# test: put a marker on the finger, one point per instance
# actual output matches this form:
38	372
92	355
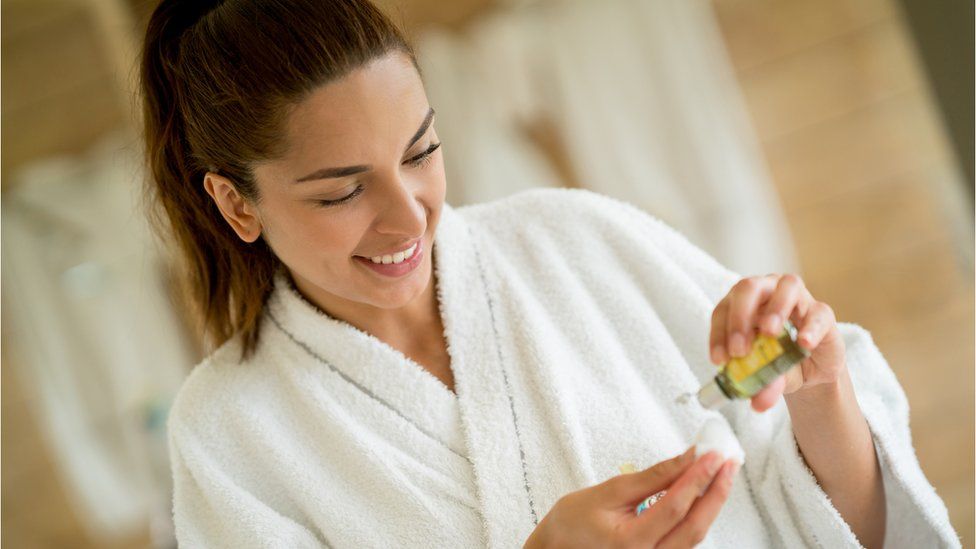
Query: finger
716	340
815	325
744	301
691	531
769	395
667	512
802	306
630	488
780	304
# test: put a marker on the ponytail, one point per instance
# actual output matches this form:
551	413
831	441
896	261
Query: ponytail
218	79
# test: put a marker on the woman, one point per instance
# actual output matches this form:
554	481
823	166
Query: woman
391	371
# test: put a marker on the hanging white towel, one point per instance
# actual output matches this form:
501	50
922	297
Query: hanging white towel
642	100
573	321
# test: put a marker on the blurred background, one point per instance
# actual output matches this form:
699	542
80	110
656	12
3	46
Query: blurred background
832	138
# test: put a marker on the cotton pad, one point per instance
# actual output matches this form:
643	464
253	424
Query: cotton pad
716	435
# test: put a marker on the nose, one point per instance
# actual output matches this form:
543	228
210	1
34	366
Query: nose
402	214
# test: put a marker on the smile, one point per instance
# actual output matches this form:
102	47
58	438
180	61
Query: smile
397	264
398	257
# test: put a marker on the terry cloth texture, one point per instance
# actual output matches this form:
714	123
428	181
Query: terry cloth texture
573	322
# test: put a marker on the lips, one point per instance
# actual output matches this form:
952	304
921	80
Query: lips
400	249
398	257
395	269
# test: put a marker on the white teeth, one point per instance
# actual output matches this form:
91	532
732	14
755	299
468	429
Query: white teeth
398	257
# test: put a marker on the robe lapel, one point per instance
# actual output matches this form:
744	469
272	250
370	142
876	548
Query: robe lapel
388	376
480	423
483	384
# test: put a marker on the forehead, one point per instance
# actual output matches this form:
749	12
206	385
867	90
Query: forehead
383	100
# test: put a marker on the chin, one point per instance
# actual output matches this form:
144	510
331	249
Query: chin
400	295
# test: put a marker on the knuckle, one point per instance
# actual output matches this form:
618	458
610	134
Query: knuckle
613	486
717	312
745	284
792	279
566	500
670	511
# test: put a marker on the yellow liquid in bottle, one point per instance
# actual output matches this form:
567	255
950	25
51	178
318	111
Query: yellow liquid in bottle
770	357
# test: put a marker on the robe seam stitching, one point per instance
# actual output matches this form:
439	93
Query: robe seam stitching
359	386
501	363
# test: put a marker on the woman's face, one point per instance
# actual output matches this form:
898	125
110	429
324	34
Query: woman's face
359	180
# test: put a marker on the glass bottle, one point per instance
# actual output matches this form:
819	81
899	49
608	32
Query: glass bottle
743	377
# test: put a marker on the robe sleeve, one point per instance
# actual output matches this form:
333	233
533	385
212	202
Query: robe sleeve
210	509
794	506
781	480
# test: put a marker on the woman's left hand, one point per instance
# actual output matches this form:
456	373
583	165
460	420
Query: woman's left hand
760	304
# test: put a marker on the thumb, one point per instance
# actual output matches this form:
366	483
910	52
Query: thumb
633	487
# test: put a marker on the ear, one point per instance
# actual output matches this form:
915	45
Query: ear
240	214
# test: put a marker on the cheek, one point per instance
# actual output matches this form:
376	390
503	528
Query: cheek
318	234
435	183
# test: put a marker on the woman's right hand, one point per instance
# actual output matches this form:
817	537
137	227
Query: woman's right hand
603	515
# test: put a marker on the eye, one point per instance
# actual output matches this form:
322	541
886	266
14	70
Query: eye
423	158
347	198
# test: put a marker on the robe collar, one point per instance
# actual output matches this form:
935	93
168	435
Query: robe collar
488	434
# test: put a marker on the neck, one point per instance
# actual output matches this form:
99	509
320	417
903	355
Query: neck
408	325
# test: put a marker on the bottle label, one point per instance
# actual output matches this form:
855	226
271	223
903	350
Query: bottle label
765	349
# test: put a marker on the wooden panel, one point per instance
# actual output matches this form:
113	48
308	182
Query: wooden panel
38	68
759	31
865	224
58	92
67	123
890	137
901	286
932	360
27	18
824	82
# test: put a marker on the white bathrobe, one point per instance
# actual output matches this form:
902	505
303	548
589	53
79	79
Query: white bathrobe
573	322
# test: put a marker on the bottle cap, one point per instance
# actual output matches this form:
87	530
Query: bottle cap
711	395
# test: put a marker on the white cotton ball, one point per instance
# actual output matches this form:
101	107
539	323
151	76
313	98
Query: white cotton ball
715	434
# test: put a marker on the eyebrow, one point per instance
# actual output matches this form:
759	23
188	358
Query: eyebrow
329	173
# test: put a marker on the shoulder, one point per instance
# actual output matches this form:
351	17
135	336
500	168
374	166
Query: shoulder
215	387
562	210
551	200
574	217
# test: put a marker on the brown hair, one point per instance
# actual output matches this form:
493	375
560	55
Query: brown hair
218	79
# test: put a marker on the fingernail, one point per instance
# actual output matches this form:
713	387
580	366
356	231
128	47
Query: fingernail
732	467
735	468
773	323
737	344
